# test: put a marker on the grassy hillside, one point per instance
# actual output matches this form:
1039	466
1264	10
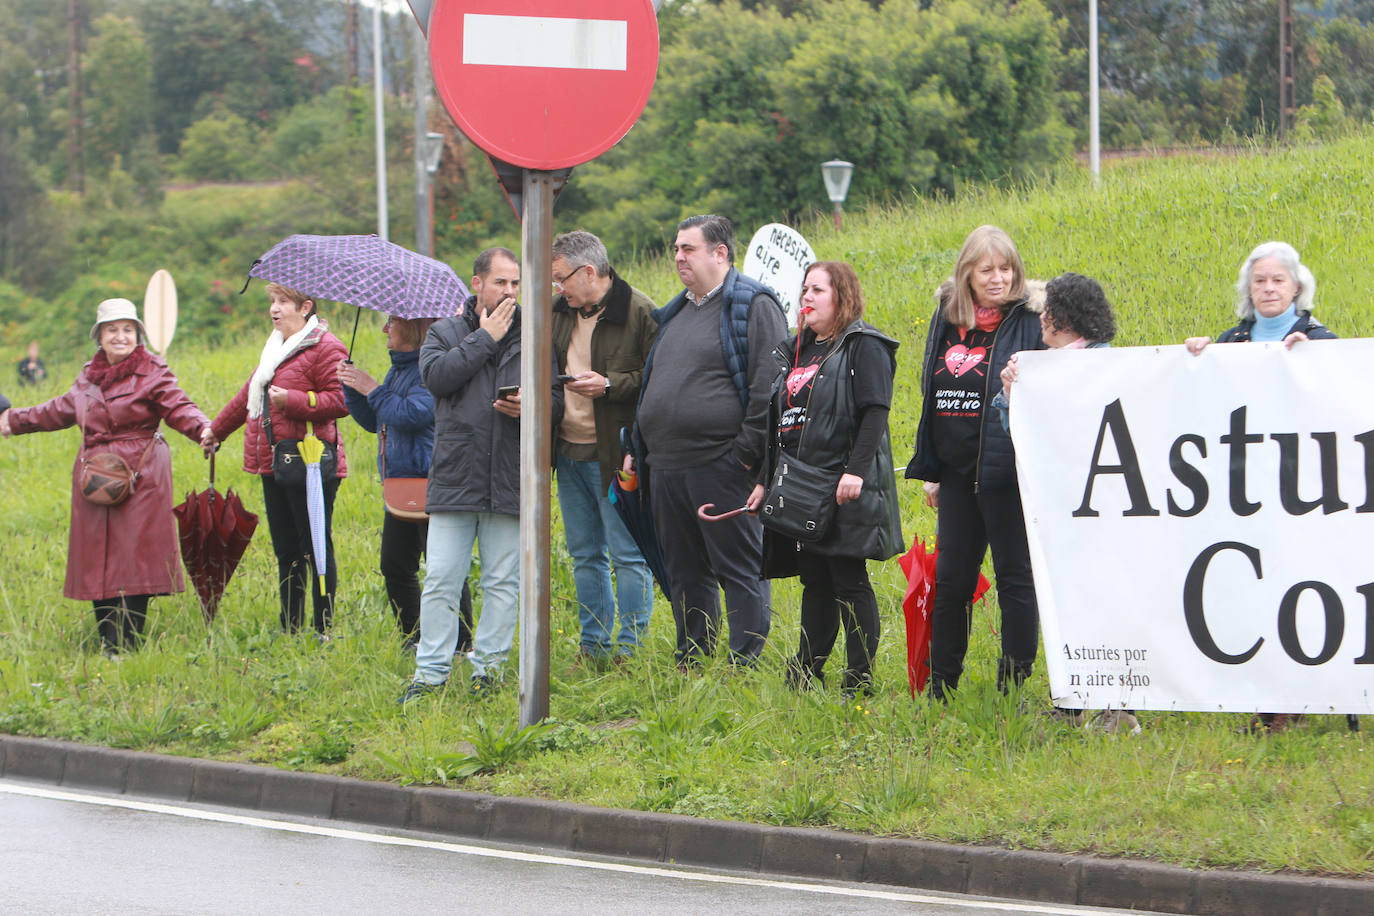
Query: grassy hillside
1165	237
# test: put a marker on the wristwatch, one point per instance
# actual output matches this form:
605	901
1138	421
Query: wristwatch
608	388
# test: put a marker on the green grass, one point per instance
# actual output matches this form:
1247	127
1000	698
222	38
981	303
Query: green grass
1165	237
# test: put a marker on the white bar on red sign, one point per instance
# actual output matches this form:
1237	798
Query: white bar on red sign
543	41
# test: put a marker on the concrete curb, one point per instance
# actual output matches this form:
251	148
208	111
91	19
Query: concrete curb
677	839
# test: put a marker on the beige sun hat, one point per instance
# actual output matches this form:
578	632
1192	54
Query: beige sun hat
117	310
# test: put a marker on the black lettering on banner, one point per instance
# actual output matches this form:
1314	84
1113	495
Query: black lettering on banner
1367	590
1114	417
1238	439
1193	612
1187	475
1288	623
1367	440
1293	504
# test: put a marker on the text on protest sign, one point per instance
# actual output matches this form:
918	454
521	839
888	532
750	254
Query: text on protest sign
1200	526
778	257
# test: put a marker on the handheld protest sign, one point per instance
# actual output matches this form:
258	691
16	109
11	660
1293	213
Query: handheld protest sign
777	258
160	310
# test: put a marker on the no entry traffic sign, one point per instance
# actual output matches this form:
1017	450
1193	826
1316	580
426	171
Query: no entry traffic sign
544	84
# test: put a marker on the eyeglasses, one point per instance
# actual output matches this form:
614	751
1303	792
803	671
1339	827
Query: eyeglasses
561	284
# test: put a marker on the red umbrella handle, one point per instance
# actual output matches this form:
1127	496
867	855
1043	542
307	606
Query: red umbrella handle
212	470
704	513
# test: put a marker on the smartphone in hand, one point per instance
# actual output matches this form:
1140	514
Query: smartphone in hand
564	379
506	392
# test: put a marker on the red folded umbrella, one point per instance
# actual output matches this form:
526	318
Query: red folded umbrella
919	566
214	530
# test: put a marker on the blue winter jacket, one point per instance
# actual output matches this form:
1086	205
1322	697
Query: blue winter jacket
403	405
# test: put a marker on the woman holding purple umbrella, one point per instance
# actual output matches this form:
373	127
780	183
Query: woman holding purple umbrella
295	386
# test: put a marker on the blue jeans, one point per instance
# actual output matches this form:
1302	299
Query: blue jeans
593	529
448	553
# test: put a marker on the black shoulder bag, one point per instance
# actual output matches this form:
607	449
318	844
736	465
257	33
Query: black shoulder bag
799	502
288	467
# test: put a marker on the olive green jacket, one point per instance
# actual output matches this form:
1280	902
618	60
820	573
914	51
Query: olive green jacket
621	340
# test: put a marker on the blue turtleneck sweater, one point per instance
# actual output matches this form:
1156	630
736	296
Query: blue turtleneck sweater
1276	328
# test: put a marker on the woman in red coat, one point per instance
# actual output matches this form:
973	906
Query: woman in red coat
120	556
296	383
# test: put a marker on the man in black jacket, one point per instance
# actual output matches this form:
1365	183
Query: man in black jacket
471	364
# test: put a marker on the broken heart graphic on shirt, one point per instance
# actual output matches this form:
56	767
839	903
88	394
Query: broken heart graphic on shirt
800	377
960	360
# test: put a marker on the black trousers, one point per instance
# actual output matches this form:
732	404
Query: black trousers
968	523
836	592
288	521
120	621
403	543
704	558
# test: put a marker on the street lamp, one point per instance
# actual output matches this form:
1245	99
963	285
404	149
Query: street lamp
430	151
837	173
434	151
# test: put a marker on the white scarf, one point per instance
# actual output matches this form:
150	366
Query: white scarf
274	353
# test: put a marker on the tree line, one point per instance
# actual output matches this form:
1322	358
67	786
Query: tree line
923	96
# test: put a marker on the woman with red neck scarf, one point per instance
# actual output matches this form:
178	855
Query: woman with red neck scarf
967	459
829	409
119	556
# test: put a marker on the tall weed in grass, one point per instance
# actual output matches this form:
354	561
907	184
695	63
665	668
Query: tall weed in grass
1165	238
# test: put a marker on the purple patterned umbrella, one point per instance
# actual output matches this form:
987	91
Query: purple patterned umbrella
365	271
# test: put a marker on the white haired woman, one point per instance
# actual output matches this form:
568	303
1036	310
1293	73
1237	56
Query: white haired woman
1274	293
1274	301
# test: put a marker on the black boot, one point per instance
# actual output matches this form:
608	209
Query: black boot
800	676
941	690
857	683
1011	674
107	625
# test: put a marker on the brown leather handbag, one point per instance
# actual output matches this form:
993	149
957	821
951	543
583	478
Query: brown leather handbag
404	497
106	479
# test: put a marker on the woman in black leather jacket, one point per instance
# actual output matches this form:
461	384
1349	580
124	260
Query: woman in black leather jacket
967	459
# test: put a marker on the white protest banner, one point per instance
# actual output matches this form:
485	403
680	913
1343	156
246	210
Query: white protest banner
1200	526
777	258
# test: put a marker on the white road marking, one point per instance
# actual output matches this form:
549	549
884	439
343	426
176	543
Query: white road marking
545	41
110	801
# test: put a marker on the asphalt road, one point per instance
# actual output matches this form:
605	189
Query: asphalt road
73	852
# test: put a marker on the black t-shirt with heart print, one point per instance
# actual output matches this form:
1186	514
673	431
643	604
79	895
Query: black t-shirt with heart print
872	384
958	385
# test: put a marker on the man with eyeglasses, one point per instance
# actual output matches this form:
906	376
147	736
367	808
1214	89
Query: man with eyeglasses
602	331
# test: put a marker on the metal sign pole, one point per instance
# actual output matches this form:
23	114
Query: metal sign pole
424	214
536	442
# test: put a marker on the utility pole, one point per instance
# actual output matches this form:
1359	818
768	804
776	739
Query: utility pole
380	110
351	30
1287	105
1094	118
424	200
76	168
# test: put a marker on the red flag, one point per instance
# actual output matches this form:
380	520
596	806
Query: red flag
919	566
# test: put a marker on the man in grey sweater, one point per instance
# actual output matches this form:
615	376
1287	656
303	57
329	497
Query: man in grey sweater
701	427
